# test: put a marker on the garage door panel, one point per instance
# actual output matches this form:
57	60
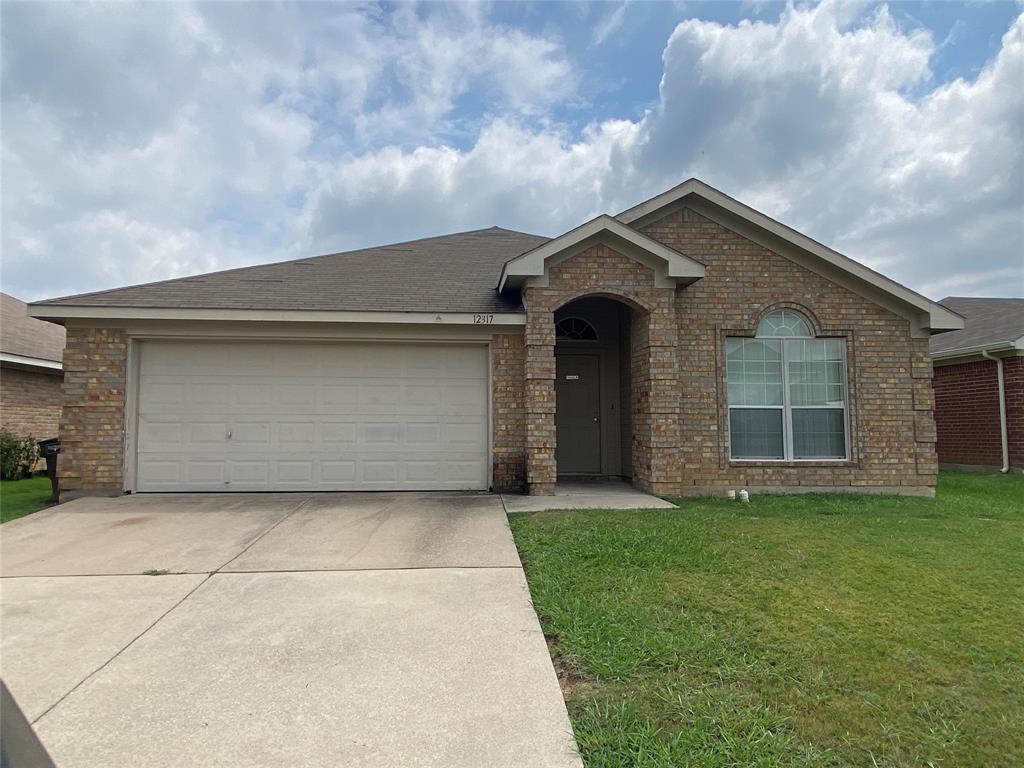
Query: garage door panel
463	396
255	472
333	471
167	473
163	434
333	395
246	395
460	471
464	432
334	433
382	433
428	395
202	434
294	471
249	432
297	394
423	433
311	416
297	434
160	393
210	471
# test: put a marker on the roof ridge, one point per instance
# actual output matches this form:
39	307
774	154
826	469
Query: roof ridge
59	299
982	298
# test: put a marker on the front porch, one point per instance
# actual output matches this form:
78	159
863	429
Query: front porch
586	494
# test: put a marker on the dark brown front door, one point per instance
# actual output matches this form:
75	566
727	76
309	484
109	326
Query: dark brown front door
577	414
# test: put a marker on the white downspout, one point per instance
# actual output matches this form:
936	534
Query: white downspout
1002	409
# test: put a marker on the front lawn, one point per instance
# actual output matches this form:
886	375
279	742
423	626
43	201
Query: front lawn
23	497
791	631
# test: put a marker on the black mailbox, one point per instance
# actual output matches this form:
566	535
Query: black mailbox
48	449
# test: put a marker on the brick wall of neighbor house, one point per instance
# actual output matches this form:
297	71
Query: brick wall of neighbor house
30	402
1013	380
92	423
967	413
892	428
508	451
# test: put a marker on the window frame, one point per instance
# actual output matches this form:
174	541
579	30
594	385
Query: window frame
787	407
585	321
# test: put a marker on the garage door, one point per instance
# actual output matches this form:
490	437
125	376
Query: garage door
283	416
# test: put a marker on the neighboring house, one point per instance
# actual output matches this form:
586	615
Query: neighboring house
691	344
979	385
30	371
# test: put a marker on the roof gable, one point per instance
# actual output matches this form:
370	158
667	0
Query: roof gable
925	315
670	266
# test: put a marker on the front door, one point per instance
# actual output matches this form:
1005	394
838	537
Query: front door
578	414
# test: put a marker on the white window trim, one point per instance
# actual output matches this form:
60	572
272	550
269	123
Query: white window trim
787	410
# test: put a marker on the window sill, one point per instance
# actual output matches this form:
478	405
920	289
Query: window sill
832	463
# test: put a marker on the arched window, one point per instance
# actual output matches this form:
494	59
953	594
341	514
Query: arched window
787	392
785	323
574	329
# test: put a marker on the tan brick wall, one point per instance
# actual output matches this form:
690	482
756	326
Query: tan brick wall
508	452
892	429
601	271
30	402
92	423
679	409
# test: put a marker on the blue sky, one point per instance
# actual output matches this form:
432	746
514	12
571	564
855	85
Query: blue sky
145	141
634	34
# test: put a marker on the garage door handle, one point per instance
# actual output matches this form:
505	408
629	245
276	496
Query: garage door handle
229	434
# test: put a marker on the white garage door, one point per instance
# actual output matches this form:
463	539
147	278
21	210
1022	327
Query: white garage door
259	416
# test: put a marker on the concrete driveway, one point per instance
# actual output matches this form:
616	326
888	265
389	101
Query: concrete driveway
315	630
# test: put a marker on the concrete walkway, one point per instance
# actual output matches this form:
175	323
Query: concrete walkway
315	630
595	494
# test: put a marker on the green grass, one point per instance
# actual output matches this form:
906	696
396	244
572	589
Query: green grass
824	630
23	497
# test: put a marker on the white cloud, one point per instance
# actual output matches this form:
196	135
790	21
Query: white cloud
610	24
248	137
149	141
823	119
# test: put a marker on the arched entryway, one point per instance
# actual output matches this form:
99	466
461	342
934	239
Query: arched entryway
593	388
604	285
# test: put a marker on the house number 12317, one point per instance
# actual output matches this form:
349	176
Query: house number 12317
483	319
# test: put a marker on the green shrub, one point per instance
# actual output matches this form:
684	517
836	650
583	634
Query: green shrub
17	455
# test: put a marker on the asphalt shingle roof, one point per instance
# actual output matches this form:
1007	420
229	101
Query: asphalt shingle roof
451	273
989	321
26	336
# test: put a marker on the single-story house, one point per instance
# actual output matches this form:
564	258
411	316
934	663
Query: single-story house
31	372
979	386
690	344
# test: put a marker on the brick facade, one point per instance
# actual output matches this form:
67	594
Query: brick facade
601	271
677	393
508	450
889	372
1013	381
967	413
92	423
30	402
679	407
